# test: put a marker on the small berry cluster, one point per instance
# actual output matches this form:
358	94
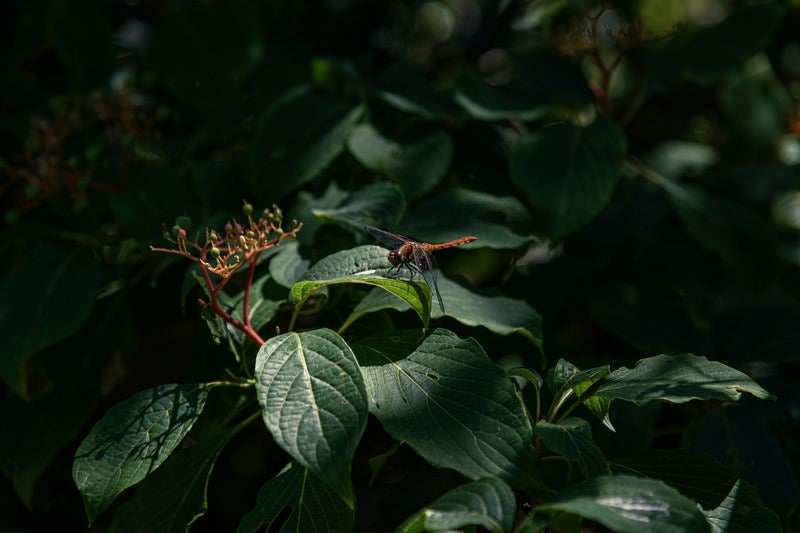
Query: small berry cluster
224	254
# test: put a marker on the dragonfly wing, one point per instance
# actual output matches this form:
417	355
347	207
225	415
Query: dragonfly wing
389	239
426	264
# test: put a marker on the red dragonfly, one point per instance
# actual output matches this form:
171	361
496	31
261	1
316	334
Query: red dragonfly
416	256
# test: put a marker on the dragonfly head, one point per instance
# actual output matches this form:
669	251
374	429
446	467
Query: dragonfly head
395	258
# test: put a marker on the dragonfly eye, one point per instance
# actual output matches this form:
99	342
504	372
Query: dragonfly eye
395	258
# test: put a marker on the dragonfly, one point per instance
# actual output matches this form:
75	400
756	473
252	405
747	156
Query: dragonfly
415	256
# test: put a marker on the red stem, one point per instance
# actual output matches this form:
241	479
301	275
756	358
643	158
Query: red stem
244	328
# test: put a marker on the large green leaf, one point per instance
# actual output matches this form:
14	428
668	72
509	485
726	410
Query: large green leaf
314	506
313	402
568	172
488	503
678	379
449	402
133	439
363	265
572	438
631	504
297	137
173	497
729	503
46	297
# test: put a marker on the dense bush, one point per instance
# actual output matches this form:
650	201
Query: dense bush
201	329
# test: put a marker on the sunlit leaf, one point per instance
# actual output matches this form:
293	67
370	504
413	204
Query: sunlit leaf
678	379
133	439
313	402
631	504
363	265
450	403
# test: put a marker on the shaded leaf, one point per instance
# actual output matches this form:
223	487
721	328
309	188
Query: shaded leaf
311	502
748	444
572	438
498	314
297	137
133	439
729	503
379	203
734	232
47	297
678	379
450	403
568	172
313	402
695	52
174	496
288	266
408	90
488	503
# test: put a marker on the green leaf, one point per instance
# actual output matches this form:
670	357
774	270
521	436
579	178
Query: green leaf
288	266
174	496
541	83
568	172
409	90
423	163
678	379
313	402
487	503
460	212
47	297
498	314
132	439
747	442
695	53
729	503
312	504
450	403
631	504
363	265
306	205
732	231
572	438
298	136
380	203
372	149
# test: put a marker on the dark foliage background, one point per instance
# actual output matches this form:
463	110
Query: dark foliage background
117	117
